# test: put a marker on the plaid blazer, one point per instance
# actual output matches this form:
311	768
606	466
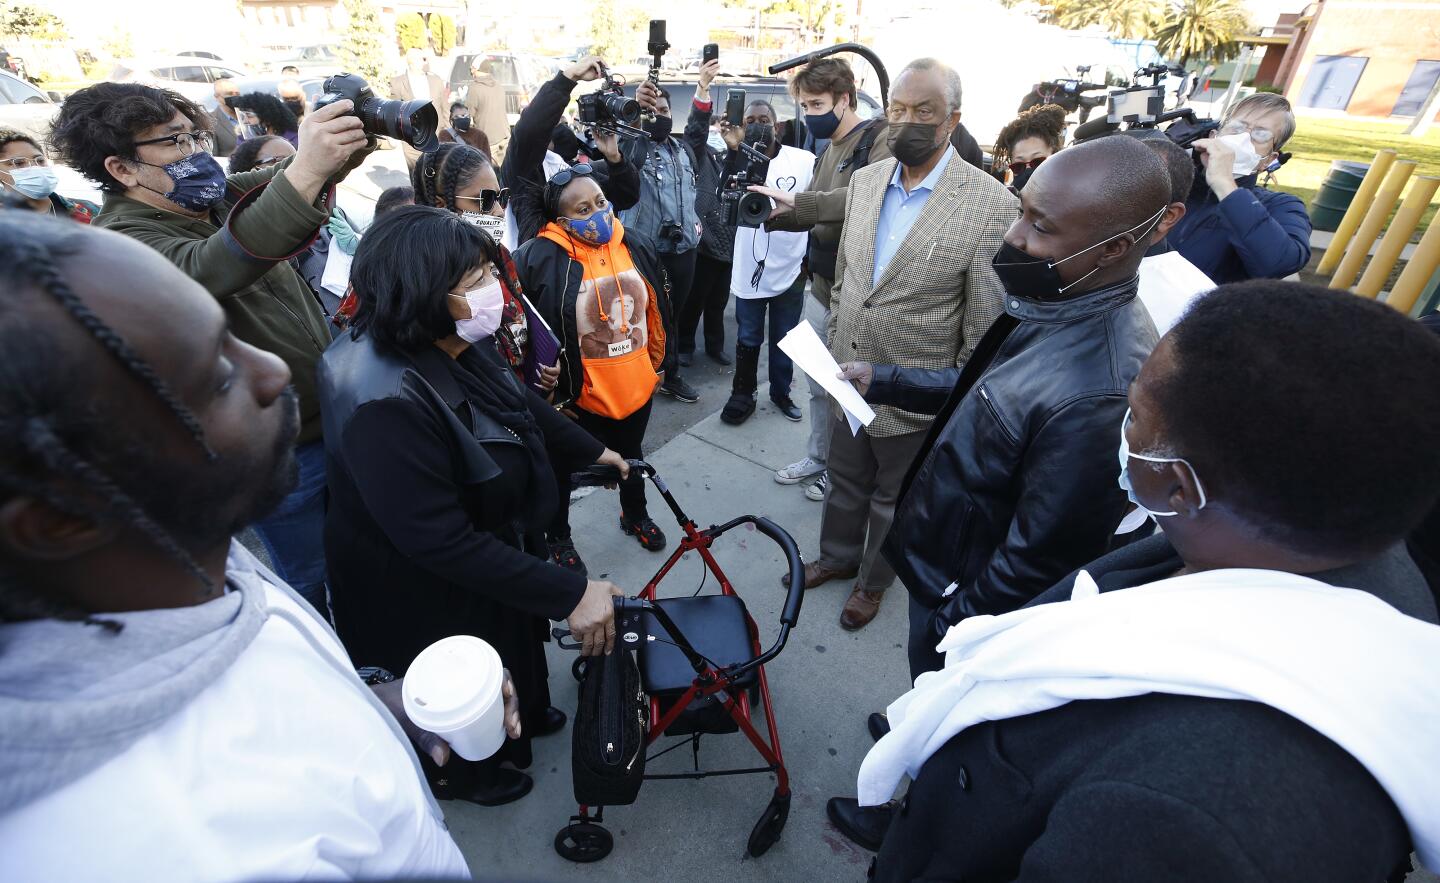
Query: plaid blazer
939	294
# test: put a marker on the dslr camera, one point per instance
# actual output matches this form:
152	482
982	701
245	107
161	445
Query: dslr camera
609	107
740	207
414	122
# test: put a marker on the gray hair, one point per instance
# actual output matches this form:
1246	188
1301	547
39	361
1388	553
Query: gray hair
947	73
1266	102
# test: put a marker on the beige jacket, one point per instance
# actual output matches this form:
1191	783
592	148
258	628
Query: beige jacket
939	294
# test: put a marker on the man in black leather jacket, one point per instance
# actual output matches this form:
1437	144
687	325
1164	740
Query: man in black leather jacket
1015	486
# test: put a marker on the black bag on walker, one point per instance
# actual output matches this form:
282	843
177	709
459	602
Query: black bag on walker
608	750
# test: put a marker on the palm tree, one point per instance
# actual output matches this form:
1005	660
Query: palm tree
1122	18
1202	29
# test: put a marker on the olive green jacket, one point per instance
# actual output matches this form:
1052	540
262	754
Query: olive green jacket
240	254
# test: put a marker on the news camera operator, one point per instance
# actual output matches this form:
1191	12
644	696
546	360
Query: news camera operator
524	169
1233	229
149	151
825	90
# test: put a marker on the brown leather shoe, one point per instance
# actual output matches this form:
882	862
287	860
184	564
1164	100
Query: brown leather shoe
818	574
860	608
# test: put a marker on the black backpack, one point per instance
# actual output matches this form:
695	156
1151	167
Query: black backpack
607	755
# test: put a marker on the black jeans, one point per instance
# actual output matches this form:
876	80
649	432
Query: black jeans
681	270
624	437
708	296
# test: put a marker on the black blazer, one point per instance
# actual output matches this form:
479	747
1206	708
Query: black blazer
1156	787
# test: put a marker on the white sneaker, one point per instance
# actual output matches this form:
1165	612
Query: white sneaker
818	490
798	472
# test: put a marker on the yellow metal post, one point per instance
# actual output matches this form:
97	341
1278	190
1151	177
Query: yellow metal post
1396	235
1356	212
1418	270
1385	199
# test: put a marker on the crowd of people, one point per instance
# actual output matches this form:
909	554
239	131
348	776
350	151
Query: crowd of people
1158	512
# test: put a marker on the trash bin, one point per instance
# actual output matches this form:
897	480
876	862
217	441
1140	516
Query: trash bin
1336	193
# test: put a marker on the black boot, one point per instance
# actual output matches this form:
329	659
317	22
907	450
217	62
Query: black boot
742	395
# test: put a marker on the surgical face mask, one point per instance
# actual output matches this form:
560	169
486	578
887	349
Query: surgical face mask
1136	518
492	224
1037	279
36	182
913	143
823	125
596	229
199	181
716	141
487	304
1247	161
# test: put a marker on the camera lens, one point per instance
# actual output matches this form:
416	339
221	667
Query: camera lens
414	122
626	110
752	209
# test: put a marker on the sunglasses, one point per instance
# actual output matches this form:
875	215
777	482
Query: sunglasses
488	198
1018	167
565	176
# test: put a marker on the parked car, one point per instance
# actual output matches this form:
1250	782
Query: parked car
521	75
192	77
317	60
25	108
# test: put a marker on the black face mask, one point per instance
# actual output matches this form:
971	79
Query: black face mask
659	128
913	143
1018	181
296	106
1037	279
762	137
462	124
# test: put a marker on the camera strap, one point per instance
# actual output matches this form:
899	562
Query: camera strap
860	158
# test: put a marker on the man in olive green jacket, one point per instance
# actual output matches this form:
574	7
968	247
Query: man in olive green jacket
149	151
825	90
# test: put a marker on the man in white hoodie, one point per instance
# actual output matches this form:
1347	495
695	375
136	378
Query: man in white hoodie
170	709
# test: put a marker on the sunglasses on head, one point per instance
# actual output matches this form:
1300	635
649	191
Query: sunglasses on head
488	198
565	176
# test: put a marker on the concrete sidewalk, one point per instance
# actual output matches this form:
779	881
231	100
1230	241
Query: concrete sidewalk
824	684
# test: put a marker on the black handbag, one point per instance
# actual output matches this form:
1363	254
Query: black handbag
607	754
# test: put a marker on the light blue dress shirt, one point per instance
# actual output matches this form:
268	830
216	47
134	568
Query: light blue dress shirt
899	211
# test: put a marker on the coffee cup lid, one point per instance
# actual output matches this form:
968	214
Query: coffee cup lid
452	682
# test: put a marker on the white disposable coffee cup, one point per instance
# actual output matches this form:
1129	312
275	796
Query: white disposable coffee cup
452	689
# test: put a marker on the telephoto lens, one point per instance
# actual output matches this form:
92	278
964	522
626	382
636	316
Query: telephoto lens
414	122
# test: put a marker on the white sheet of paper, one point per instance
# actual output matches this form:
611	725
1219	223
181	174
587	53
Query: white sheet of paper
336	278
809	353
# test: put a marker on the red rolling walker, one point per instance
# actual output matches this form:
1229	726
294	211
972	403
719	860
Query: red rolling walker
701	666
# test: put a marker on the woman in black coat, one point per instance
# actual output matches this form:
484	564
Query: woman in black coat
440	487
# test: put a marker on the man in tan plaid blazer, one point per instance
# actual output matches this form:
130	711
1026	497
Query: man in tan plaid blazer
913	287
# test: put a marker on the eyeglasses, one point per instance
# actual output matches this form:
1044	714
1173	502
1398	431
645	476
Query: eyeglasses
188	142
488	198
1018	167
565	176
1259	134
274	160
24	162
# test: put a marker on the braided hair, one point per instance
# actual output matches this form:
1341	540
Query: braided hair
442	173
49	434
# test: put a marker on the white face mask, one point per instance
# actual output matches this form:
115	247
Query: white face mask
487	304
1247	161
36	182
1136	518
492	224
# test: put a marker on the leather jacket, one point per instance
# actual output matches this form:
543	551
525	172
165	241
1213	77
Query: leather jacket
1015	486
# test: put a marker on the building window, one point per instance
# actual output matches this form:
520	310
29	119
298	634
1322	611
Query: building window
1331	81
1417	89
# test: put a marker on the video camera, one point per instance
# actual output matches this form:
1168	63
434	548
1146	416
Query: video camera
1142	106
742	208
414	122
609	107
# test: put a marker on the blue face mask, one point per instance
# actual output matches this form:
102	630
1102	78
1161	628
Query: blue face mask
199	182
1138	517
596	229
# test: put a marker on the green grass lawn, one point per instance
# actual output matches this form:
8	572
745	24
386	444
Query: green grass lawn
1319	141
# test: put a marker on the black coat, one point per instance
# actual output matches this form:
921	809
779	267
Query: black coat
551	279
1154	787
524	171
422	532
1016	484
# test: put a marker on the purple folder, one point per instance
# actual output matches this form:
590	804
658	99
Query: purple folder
544	348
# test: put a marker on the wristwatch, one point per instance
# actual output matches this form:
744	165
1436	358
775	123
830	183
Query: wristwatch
374	674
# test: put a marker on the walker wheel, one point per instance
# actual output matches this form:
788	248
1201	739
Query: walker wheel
766	832
584	842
